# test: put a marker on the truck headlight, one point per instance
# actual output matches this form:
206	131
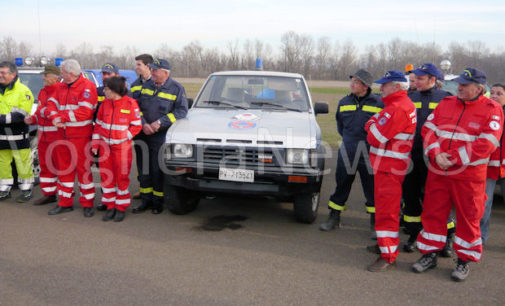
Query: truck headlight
182	150
297	156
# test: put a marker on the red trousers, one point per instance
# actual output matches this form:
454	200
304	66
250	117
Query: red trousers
74	158
115	166
48	170
468	199
388	196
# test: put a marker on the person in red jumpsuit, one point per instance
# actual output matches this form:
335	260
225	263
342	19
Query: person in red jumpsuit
71	109
390	135
46	133
117	122
459	138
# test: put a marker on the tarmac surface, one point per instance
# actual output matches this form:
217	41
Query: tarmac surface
230	251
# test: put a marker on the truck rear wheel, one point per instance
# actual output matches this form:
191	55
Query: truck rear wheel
179	200
305	207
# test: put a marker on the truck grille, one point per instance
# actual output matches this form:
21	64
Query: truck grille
239	156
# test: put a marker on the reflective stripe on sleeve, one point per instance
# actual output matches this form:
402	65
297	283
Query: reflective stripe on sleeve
171	117
387	153
377	134
431	146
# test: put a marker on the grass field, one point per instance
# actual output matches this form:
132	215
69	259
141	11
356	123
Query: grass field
329	94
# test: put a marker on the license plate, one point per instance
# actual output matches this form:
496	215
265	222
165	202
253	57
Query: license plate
236	175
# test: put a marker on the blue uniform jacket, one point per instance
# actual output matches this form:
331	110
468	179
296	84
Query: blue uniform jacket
351	116
166	103
425	102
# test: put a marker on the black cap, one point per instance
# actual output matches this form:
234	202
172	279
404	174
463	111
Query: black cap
364	76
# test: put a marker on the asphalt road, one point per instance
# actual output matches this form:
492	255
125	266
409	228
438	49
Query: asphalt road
266	259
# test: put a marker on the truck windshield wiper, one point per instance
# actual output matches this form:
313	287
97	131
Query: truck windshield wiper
276	105
225	103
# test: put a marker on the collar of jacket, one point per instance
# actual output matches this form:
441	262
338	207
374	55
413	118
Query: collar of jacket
166	84
76	82
429	91
479	97
359	99
398	96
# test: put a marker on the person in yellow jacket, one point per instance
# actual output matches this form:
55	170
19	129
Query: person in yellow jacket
15	103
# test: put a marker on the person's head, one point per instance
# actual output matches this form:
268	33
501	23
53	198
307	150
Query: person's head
51	75
361	81
472	83
426	76
498	93
115	87
160	71
109	70
142	64
70	71
8	72
412	81
392	82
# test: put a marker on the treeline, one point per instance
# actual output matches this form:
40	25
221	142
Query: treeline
321	59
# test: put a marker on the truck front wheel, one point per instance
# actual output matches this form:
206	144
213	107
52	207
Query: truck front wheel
305	207
179	200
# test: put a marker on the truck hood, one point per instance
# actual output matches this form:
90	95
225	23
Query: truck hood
248	128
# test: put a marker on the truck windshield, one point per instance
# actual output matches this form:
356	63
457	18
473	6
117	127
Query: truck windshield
255	92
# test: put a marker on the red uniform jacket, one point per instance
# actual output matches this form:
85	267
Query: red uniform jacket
117	122
391	134
75	104
467	130
46	131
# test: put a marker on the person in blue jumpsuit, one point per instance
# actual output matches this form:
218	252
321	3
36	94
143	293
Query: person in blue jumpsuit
162	102
353	112
425	98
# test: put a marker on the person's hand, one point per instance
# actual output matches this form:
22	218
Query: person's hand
94	151
147	129
442	160
155	126
57	123
28	120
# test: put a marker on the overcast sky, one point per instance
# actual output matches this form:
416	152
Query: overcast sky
146	24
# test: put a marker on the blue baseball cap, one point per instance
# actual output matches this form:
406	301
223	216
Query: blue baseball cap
471	75
427	68
110	68
392	76
160	64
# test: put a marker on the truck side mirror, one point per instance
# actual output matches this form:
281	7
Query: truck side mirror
321	108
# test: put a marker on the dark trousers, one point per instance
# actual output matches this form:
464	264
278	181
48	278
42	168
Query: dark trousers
413	194
150	175
344	176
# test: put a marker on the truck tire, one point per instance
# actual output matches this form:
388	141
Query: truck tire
179	200
305	207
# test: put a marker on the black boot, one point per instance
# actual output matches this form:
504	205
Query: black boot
109	214
145	205
157	208
373	233
332	222
447	251
410	245
119	216
101	207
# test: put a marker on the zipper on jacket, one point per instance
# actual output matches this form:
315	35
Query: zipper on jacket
456	127
112	120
